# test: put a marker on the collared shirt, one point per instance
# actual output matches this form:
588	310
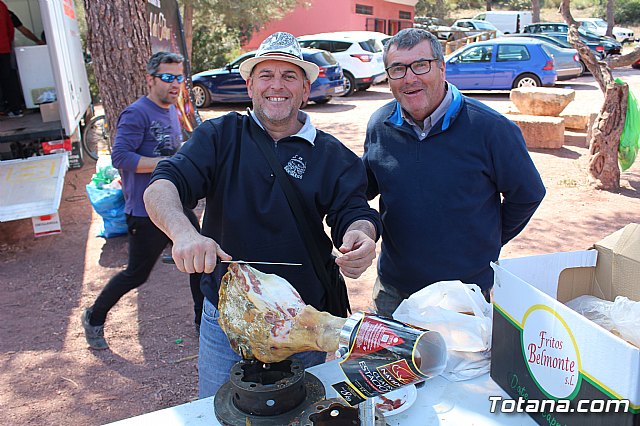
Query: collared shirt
307	132
435	116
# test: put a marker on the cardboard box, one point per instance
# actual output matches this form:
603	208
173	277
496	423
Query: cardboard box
50	112
46	225
543	350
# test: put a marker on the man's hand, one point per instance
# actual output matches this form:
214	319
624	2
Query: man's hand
358	248
193	252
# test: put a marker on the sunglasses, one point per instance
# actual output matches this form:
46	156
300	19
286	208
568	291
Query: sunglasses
168	78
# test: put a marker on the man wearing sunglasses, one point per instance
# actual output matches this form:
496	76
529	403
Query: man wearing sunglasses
454	177
148	131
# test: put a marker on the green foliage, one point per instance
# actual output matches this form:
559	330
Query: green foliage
220	26
512	4
626	11
468	4
212	47
586	4
436	8
91	75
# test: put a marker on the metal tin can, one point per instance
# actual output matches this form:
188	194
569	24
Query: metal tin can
381	355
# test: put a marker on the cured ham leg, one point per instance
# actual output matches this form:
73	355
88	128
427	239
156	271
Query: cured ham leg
264	317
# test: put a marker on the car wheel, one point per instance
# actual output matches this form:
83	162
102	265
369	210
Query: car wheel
349	85
526	80
322	101
635	66
583	68
201	96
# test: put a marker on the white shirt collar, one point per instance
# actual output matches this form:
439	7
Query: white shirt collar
307	132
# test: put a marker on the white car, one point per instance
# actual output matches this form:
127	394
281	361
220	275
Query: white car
358	52
475	26
599	26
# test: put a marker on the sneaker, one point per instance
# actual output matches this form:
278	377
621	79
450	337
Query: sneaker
93	333
15	114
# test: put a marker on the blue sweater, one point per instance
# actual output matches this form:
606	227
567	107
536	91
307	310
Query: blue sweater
144	130
247	212
450	202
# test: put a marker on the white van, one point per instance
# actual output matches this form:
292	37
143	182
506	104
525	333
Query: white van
509	22
54	85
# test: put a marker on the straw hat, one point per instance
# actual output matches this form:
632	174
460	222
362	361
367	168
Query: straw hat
280	46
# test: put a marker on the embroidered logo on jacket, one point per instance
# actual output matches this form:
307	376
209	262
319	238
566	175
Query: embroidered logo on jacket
296	167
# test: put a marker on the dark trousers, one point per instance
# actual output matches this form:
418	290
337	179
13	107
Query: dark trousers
9	85
146	243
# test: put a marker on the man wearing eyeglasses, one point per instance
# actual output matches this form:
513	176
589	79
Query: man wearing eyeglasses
454	177
148	131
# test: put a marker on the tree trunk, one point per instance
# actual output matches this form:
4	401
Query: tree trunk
535	10
119	41
604	172
610	19
187	22
489	4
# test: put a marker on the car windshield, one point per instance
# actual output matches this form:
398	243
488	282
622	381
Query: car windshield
600	23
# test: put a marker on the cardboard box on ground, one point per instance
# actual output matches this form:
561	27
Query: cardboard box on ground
542	350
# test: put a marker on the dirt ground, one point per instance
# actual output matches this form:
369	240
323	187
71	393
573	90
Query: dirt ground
49	376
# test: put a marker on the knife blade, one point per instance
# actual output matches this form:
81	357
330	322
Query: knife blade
260	262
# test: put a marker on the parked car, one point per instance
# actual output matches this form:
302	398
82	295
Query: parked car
609	45
475	26
566	60
500	64
563	44
359	56
507	21
599	26
434	25
227	85
598	47
377	38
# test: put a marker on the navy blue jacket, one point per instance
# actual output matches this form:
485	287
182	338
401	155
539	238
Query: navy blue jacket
449	202
247	212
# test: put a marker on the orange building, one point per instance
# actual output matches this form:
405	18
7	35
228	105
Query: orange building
385	16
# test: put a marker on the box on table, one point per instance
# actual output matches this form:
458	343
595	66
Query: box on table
50	112
543	350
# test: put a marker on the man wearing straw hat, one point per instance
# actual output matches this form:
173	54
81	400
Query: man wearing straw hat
247	213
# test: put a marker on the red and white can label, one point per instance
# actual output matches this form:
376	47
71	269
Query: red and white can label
382	357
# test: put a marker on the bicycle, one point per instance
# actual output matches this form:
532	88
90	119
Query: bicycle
95	137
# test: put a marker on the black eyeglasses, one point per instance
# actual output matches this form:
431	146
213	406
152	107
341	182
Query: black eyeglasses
168	78
419	67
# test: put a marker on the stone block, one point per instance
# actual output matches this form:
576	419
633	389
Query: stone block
540	131
576	121
545	101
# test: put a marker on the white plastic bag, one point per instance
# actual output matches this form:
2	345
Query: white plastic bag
622	316
460	313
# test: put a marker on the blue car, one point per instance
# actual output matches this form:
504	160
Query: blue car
226	84
500	64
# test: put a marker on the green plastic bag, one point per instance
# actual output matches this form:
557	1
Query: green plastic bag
630	138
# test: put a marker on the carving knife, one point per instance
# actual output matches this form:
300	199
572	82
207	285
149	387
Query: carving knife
260	262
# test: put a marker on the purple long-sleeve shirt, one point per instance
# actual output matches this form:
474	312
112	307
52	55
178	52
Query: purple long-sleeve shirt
144	130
